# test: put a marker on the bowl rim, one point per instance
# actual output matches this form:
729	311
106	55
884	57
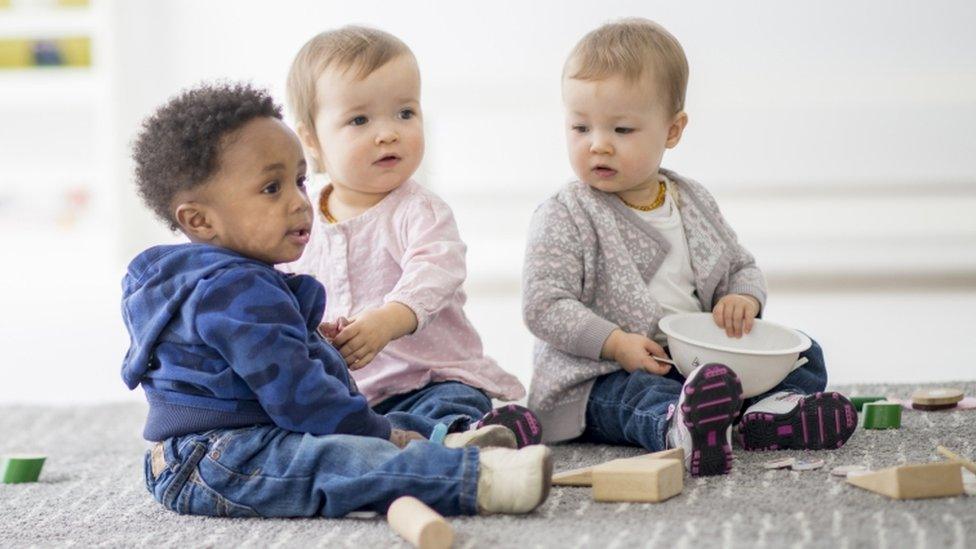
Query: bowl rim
665	326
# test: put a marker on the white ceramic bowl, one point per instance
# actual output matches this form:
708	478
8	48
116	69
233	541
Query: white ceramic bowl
761	358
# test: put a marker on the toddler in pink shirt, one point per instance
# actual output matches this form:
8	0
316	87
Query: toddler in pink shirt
388	250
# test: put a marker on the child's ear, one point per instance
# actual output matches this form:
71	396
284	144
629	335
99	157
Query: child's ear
677	129
311	143
196	220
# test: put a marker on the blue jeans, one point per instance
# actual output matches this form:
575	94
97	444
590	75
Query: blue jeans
270	472
452	403
635	409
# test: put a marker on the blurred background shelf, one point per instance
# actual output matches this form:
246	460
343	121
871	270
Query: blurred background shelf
53	22
42	86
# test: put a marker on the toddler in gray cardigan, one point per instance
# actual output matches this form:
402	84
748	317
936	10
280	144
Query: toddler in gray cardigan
611	254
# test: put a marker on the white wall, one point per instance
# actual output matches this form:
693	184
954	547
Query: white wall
838	138
865	108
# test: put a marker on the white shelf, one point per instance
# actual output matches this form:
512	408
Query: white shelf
46	22
48	177
44	85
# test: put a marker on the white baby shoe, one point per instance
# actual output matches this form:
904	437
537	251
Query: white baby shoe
513	481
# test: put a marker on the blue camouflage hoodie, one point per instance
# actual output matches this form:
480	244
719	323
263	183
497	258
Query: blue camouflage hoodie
218	340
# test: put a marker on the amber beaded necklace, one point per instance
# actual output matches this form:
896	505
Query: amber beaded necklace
662	193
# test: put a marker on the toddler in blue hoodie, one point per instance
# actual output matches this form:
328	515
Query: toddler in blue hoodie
251	411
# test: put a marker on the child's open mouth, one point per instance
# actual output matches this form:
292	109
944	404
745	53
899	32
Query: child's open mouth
387	161
300	236
604	172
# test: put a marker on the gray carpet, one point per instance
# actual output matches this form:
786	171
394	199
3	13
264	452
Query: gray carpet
92	494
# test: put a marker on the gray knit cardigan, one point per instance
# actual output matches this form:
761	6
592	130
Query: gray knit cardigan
587	266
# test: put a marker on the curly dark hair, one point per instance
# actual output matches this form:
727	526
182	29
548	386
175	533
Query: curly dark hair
179	145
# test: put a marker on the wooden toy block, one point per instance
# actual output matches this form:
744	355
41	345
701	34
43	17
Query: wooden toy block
420	525
936	399
860	401
574	477
583	476
957	458
15	469
882	415
647	480
917	481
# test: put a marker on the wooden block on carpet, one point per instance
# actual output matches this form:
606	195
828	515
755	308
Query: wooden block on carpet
647	480
917	481
583	476
957	458
420	525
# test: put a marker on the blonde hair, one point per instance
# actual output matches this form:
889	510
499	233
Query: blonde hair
629	48
352	48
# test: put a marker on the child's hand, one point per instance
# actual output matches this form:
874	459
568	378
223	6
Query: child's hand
401	438
635	352
734	313
329	330
367	334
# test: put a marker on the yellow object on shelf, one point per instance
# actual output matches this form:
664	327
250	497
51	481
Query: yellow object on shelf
76	51
19	53
71	3
4	3
16	53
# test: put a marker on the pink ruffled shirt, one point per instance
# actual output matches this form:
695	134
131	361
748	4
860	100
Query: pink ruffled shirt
406	249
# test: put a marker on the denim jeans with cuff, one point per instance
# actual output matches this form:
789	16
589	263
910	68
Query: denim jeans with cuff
455	404
270	472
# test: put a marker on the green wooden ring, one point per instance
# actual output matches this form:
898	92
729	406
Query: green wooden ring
882	415
860	401
21	468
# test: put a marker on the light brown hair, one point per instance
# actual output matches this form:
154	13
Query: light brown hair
359	49
630	48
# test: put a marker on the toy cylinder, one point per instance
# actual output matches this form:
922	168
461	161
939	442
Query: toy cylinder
420	525
882	415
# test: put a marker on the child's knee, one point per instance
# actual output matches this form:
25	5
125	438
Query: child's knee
815	368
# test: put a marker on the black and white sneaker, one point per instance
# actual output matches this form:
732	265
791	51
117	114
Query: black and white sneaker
702	423
792	421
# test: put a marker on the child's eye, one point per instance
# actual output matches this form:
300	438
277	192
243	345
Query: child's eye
624	130
407	114
579	128
359	121
271	188
301	182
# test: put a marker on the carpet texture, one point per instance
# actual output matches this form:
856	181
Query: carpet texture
91	493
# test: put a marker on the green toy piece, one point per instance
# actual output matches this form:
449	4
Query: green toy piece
860	401
20	468
882	415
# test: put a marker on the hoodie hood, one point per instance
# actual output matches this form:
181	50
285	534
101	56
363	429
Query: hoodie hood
157	283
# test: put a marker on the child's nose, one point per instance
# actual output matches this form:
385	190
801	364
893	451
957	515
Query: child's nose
600	145
300	201
385	137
